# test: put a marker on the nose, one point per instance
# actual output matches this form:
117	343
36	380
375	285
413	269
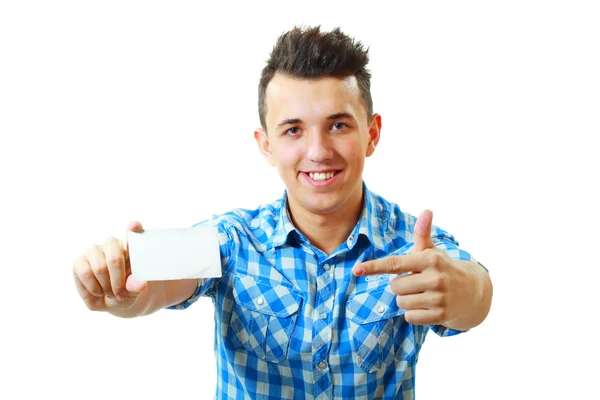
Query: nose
319	147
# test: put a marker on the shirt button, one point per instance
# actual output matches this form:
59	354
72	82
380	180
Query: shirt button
380	309
323	316
326	267
322	364
260	301
351	238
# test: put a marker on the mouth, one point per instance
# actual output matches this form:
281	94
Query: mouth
321	178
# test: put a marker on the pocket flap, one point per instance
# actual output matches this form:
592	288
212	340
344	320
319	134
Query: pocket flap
271	298
373	305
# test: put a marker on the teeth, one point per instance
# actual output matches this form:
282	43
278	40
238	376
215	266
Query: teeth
321	176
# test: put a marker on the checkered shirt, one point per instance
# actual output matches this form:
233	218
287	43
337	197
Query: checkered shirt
292	322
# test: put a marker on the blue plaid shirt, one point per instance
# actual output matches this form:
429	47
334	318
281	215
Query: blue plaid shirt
292	322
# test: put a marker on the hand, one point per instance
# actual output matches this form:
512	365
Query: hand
435	288
103	275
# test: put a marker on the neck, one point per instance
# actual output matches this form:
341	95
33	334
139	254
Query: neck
328	231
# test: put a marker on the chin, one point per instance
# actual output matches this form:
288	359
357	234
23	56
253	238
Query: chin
322	204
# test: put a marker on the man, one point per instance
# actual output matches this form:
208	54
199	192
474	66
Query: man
329	291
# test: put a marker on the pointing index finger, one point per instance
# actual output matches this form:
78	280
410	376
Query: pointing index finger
392	265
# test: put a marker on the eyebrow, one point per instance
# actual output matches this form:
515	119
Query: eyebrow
292	121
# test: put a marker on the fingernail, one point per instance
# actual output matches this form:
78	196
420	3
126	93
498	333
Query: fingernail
120	298
358	270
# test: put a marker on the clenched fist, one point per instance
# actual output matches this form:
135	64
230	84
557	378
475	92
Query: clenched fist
103	275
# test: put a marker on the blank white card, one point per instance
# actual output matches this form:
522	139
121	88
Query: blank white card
179	253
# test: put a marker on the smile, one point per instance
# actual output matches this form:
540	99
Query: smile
322	176
321	179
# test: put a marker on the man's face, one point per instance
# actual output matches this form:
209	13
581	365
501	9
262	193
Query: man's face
318	137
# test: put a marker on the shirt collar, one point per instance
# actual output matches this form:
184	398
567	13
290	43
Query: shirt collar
284	225
371	223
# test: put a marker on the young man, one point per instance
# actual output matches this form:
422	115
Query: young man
329	291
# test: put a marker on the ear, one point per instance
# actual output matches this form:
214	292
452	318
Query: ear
374	132
262	140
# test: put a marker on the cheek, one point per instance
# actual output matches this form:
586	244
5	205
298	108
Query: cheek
353	151
288	157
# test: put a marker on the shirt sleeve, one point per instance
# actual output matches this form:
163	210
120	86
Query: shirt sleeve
207	286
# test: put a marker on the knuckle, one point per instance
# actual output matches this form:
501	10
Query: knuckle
393	263
433	258
443	281
85	274
436	281
441	315
80	266
440	300
111	239
92	252
83	271
118	290
439	281
100	269
113	261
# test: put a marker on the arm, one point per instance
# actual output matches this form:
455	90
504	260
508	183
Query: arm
433	288
158	295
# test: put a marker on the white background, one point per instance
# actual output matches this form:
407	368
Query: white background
142	110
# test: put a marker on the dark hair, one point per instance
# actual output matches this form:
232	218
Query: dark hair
310	53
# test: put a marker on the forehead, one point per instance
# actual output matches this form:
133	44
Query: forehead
306	99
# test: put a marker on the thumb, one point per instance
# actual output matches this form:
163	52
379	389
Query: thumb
134	287
423	232
133	226
133	291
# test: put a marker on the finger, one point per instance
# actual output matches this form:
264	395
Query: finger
115	261
420	301
83	292
424	317
134	226
416	262
84	274
429	279
92	302
409	284
101	272
422	239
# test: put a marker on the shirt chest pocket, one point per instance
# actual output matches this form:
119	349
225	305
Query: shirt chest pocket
379	333
263	317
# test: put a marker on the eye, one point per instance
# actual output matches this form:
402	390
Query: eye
339	125
292	131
